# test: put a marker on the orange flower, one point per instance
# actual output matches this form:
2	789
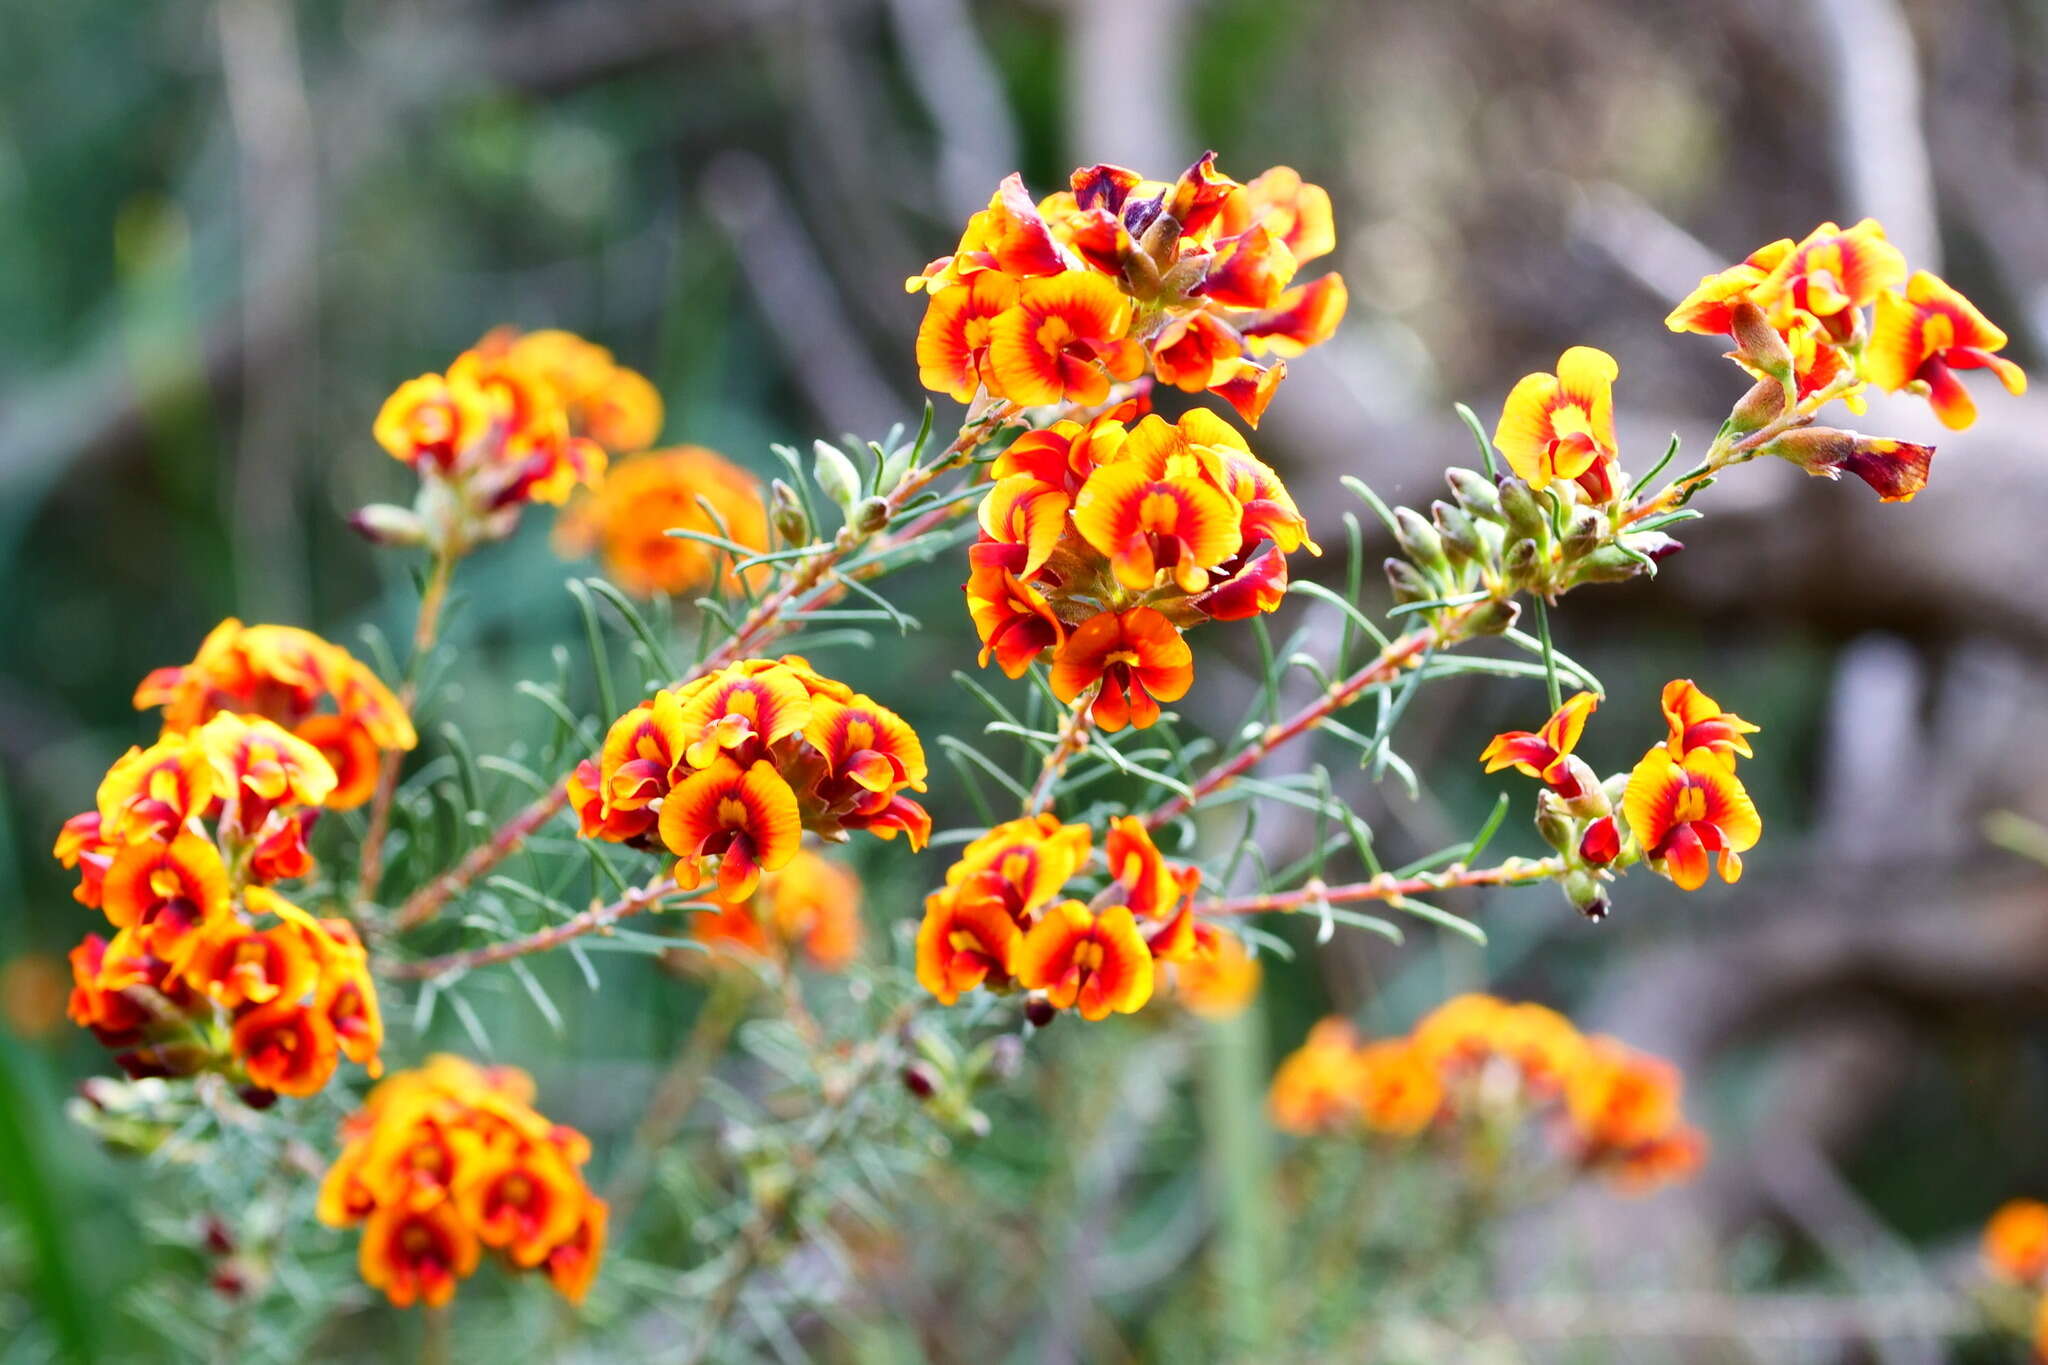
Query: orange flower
1266	511
434	419
816	902
1063	455
1542	1044
1296	212
744	817
1832	271
1137	656
870	754
1220	977
1029	859
740	713
1683	810
1320	1086
1710	309
573	1265
1247	385
1461	1031
1021	524
149	793
1674	1156
259	767
285	674
1152	887
1304	316
1399	1091
348	997
626	520
234	965
614	406
1094	962
596	820
968	938
1259	586
641	752
1150	524
1189	350
1542	755
1619	1098
417	1254
1062	342
522	1198
166	891
1561	426
104	976
1895	470
1015	622
1249	270
1923	336
285	1047
80	846
953	340
1697	721
2016	1241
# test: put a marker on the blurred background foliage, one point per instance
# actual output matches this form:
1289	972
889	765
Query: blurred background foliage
229	227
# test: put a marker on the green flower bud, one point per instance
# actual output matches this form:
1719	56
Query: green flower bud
1496	616
1459	534
835	475
1523	562
1584	534
1527	517
1758	347
786	510
1420	542
1474	492
1758	408
1409	583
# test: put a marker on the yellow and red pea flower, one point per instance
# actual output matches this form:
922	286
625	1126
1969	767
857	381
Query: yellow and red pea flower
1895	470
1833	272
1560	427
1015	621
741	762
1035	303
1609	1109
446	1161
1542	754
968	938
1681	811
2015	1242
810	907
1138	659
1093	962
1923	336
1696	721
627	518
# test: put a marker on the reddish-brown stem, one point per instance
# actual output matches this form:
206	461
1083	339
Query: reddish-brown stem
597	919
427	628
1386	887
1067	745
774	616
1385	667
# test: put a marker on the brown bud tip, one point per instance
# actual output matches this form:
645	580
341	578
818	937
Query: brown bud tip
920	1080
1038	1011
228	1282
214	1235
256	1097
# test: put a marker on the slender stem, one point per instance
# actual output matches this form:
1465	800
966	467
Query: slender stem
426	629
437	1336
597	919
675	1095
1387	887
1399	653
1550	684
1725	452
1072	739
775	615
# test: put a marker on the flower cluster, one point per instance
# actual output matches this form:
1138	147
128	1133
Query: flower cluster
517	418
734	767
1053	302
1797	314
448	1159
210	968
1002	922
809	908
289	676
1476	1070
628	518
1102	542
1681	807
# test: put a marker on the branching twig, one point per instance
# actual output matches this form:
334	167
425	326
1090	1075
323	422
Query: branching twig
1387	887
595	920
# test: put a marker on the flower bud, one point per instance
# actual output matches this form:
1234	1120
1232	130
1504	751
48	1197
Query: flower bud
1601	843
1895	469
1526	516
871	516
1495	616
1420	542
786	511
920	1079
1039	1011
1758	347
1758	408
382	523
1552	821
835	475
1521	562
1609	564
1586	893
1408	582
1585	533
1474	492
1578	786
1460	536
